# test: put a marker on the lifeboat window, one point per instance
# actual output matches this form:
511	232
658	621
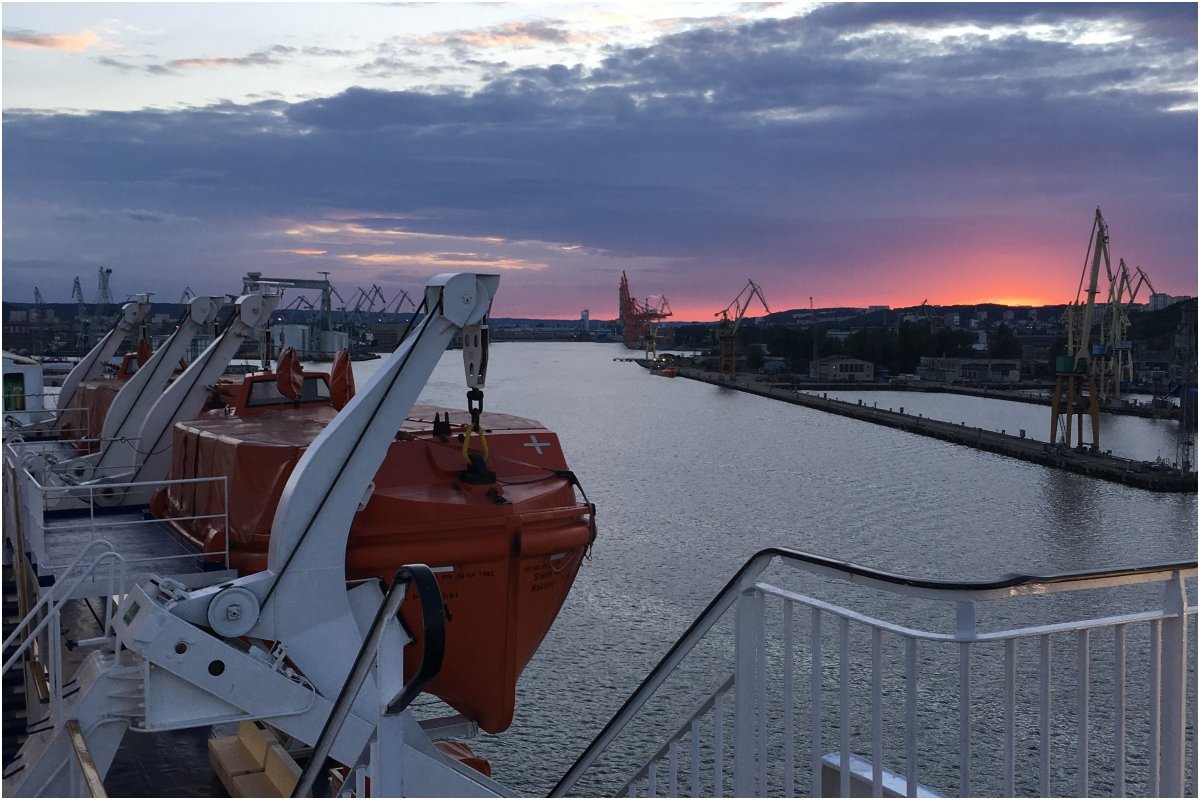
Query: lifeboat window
266	393
14	392
315	389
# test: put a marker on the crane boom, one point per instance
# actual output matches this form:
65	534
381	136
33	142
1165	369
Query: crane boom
740	306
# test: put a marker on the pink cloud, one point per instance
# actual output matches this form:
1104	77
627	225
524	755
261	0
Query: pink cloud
67	43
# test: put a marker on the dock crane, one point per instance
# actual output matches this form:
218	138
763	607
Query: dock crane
640	319
400	301
730	322
1075	372
1117	362
39	306
103	287
84	332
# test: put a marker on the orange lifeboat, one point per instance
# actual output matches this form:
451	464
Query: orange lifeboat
506	552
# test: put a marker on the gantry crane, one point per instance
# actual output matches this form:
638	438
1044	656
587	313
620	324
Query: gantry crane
1075	371
728	326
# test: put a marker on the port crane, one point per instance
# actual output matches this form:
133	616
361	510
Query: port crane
731	319
1075	392
1116	365
641	318
103	290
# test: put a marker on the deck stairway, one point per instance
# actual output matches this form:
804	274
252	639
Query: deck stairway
12	692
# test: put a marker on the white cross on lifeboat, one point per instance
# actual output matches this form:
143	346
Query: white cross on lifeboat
535	444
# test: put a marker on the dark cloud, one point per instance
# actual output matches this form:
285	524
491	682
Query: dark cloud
773	143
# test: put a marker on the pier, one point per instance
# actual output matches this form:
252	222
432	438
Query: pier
1155	477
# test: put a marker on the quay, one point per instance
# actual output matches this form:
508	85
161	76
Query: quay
1034	395
1085	462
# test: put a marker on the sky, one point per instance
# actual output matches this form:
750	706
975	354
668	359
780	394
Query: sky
858	154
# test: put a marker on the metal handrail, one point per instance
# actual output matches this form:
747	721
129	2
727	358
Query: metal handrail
59	594
1012	585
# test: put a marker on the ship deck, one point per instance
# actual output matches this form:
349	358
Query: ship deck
148	547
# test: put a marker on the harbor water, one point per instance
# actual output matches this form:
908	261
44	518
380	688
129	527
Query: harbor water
691	479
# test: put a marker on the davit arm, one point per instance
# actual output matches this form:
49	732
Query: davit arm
134	400
92	365
184	398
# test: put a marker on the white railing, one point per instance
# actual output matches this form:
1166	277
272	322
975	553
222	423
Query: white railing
38	637
53	521
1065	685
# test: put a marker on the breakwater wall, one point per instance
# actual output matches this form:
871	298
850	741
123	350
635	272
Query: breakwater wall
1097	465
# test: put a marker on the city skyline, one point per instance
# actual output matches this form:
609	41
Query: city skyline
859	154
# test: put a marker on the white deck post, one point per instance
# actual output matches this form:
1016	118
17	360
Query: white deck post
747	643
1172	736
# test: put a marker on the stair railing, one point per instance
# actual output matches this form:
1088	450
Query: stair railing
41	628
1002	687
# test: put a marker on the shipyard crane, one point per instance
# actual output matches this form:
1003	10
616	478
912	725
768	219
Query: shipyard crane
103	291
1116	363
1075	392
400	301
83	335
39	306
640	319
731	319
77	295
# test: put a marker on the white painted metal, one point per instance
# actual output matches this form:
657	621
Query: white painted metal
186	395
1047	705
1156	728
91	366
911	728
120	446
1083	673
1010	717
1119	709
844	703
749	612
876	712
815	703
1174	692
981	663
789	702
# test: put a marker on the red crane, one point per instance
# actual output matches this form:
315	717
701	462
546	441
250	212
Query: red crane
639	318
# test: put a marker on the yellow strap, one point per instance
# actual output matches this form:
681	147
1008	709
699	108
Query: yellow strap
467	442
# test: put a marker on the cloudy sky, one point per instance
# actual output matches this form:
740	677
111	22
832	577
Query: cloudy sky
858	154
